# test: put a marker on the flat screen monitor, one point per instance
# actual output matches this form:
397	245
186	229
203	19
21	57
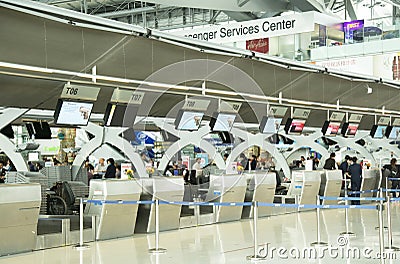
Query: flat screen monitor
378	131
270	125
120	115
188	120
41	130
330	128
349	129
222	122
294	126
72	113
394	133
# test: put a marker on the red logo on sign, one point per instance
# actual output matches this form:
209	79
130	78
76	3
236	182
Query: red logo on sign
258	45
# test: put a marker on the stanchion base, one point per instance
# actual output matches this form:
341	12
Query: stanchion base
255	258
81	247
157	250
319	244
348	234
392	249
385	228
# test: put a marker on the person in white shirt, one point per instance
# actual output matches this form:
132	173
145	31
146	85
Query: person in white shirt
197	166
101	167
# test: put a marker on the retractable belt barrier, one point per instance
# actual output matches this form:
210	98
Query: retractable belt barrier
393	179
366	191
255	205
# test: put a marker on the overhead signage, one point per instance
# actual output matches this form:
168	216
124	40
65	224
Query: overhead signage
355	118
277	111
127	96
254	29
229	107
301	113
384	121
80	92
337	116
195	104
396	122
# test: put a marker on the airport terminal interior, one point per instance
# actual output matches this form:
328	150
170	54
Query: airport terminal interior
171	131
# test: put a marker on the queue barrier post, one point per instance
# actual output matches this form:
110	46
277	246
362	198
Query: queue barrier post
319	243
381	237
346	216
381	202
157	248
390	246
81	245
255	255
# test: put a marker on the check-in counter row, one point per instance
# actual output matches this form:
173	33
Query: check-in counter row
106	221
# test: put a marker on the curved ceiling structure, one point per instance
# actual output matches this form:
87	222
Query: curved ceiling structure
65	45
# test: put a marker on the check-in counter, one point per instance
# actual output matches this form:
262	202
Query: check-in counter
304	187
168	189
370	177
19	207
331	184
227	189
379	180
261	188
114	220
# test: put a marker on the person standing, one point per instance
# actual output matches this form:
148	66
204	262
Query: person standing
330	164
394	173
355	172
344	167
111	170
197	166
101	167
2	173
253	162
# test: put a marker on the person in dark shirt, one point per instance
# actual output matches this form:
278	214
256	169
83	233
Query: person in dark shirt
111	170
330	164
2	173
394	172
253	162
344	167
355	172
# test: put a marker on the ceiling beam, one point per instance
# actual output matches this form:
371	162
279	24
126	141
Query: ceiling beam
350	10
331	4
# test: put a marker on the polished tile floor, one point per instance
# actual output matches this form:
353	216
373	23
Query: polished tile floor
232	242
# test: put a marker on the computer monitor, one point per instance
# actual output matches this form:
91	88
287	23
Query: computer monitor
394	132
378	131
270	125
42	130
222	122
330	128
349	129
118	115
294	126
72	113
188	120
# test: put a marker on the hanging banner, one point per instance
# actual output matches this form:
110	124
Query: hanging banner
253	29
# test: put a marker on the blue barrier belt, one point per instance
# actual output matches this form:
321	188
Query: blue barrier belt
314	206
395	199
394	179
391	190
99	202
331	198
367	191
306	206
